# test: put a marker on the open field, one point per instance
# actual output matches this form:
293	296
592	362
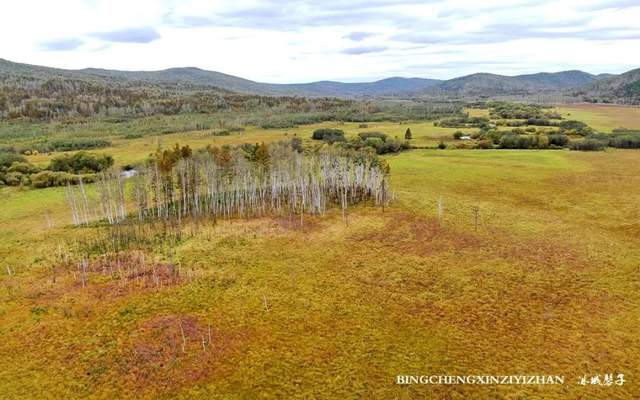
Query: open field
544	281
135	150
603	117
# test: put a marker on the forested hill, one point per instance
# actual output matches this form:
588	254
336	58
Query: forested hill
42	92
624	88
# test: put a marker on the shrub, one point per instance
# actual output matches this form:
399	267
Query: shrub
6	159
442	145
23	168
373	142
464	122
485	144
15	179
363	126
81	163
457	135
513	141
541	141
73	144
558	139
367	135
46	179
587	145
539	122
329	135
384	146
575	127
625	141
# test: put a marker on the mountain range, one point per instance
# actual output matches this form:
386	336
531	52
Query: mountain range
623	88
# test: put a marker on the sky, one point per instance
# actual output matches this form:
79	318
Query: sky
300	41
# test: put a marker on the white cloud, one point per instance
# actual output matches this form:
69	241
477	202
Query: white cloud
298	40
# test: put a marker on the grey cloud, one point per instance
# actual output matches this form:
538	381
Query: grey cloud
61	44
505	32
358	36
364	50
292	15
131	35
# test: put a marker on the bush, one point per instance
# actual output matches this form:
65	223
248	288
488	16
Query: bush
442	145
6	159
73	144
513	141
363	126
625	141
587	145
46	179
373	142
539	122
329	135
16	179
575	127
464	122
81	163
23	168
457	135
485	144
367	135
383	146
558	139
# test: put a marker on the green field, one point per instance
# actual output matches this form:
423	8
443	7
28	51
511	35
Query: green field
531	268
604	117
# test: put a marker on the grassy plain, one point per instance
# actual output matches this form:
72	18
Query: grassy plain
545	282
135	150
603	117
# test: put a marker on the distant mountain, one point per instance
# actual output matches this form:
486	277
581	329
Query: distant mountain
384	87
479	85
561	80
185	76
196	76
623	88
484	85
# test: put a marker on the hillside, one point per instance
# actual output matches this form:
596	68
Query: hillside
195	78
29	81
624	88
561	80
199	77
480	84
485	85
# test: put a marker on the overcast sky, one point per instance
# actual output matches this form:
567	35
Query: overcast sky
300	41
